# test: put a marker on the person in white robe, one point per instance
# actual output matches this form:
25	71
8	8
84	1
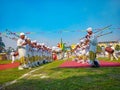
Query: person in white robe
21	44
92	49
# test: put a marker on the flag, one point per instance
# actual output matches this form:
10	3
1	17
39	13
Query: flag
62	45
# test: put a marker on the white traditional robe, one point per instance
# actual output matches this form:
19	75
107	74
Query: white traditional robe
21	48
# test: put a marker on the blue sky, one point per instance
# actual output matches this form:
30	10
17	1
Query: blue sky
51	16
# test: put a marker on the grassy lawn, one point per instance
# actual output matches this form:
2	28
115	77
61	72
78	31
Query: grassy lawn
107	59
51	77
7	61
11	74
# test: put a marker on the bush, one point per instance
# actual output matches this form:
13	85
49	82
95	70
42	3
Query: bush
99	49
117	47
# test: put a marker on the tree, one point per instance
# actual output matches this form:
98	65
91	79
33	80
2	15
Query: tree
9	50
117	47
99	49
2	45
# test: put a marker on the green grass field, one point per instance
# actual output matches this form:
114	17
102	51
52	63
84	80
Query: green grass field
7	61
50	77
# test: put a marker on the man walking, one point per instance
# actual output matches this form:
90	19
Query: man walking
92	49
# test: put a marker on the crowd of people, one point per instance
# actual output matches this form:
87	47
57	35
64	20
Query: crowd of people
85	51
32	53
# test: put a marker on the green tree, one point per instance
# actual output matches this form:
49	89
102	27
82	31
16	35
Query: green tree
2	45
117	47
9	50
99	49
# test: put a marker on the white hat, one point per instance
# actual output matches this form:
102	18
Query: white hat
111	44
28	38
77	43
25	37
35	41
42	44
32	41
38	43
82	41
22	34
89	29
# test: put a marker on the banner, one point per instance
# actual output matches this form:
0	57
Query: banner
16	34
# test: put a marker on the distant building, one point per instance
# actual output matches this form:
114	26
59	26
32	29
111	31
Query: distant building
105	43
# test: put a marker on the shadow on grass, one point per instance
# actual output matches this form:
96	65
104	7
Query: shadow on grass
71	79
89	82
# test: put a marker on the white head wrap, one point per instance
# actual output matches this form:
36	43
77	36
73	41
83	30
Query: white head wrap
82	41
78	44
35	41
89	29
22	34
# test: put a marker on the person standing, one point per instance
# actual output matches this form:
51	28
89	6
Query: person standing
103	50
21	44
111	52
92	48
28	49
12	56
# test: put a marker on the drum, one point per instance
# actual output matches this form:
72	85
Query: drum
16	53
109	50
